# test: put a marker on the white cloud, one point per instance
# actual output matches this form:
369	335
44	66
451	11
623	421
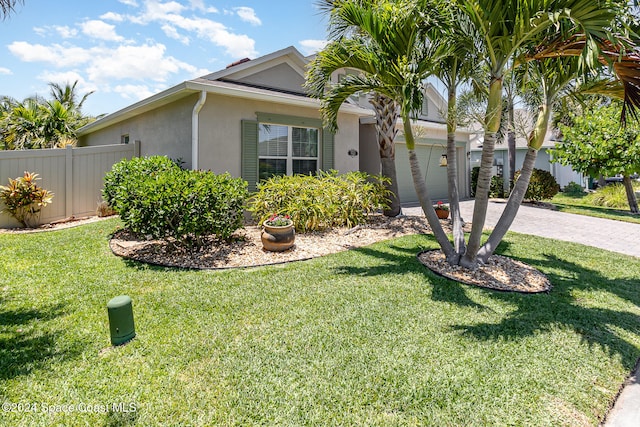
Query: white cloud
309	47
170	13
199	5
172	32
102	65
247	14
145	62
100	30
5	71
133	3
65	31
56	54
112	16
68	77
134	92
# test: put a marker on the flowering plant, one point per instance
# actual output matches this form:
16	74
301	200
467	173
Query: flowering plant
277	220
441	206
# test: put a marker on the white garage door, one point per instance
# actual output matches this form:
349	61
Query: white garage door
435	176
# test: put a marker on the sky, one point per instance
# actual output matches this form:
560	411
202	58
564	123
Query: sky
128	50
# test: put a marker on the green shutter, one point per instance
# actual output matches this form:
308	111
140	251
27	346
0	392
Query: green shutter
327	150
249	169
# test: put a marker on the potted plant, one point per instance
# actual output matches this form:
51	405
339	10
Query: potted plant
278	233
442	210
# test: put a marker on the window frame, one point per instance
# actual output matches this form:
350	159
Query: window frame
290	158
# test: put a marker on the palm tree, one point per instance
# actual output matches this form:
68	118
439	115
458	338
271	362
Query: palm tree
386	108
551	77
522	25
8	6
391	51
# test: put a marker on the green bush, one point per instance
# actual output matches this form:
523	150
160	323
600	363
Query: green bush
321	201
159	199
24	200
125	175
497	184
611	196
573	189
541	186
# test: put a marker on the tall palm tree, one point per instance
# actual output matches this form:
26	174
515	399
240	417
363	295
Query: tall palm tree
386	109
551	77
389	47
8	6
506	28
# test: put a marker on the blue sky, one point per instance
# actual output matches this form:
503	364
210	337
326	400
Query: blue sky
127	50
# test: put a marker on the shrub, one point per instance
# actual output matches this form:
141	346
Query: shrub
541	186
611	196
24	200
497	187
320	201
125	175
159	199
574	189
497	184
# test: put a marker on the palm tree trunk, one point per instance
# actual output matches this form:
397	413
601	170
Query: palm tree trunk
423	194
452	177
386	118
494	108
511	143
631	195
536	139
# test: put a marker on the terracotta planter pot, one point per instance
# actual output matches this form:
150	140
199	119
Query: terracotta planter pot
277	239
442	214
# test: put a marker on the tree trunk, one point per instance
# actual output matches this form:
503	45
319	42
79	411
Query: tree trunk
511	144
631	195
423	194
494	108
452	178
536	139
393	201
386	118
511	210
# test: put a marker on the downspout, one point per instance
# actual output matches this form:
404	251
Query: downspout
195	131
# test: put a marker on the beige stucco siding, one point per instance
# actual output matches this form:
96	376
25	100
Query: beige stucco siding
163	131
220	132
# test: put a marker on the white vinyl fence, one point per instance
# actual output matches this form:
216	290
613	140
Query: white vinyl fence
74	175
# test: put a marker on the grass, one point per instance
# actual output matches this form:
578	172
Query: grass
364	337
580	205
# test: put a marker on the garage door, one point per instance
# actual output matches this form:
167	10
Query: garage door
435	176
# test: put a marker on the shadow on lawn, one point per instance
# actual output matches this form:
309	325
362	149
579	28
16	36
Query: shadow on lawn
596	325
534	312
23	346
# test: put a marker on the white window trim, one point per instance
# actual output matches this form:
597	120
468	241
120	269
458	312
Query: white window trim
290	158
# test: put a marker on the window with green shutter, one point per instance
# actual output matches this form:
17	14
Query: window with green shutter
284	145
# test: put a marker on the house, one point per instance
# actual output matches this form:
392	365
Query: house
254	118
523	124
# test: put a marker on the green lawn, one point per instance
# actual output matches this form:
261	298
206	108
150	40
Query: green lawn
365	337
578	205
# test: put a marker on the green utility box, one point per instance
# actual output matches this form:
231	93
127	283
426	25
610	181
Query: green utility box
121	319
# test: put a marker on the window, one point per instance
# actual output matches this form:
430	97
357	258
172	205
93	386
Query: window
286	150
124	139
425	106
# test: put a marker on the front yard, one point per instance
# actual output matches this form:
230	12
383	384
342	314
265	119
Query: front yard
363	337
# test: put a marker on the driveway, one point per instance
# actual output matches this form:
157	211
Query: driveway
616	236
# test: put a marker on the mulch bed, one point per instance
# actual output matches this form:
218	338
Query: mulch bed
500	273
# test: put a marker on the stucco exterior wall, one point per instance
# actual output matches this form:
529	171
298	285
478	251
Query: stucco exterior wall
220	132
163	131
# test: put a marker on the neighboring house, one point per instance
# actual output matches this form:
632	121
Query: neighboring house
254	119
562	174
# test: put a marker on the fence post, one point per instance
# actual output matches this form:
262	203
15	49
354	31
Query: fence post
68	185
